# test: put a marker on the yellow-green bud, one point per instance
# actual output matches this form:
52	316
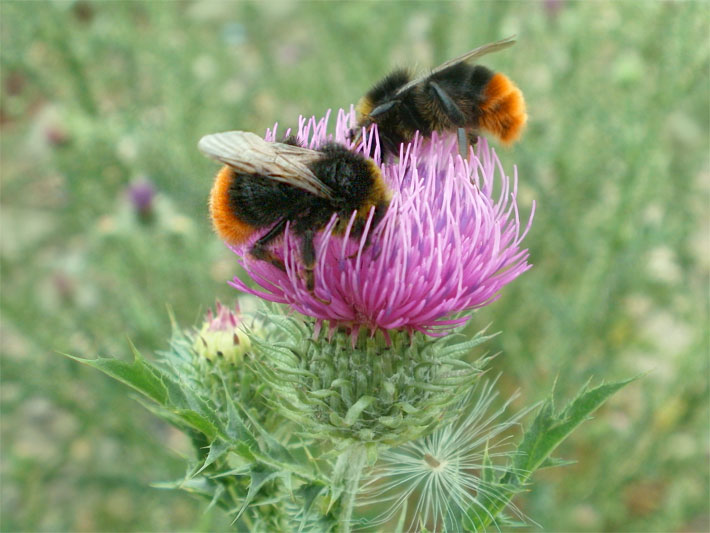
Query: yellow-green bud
222	336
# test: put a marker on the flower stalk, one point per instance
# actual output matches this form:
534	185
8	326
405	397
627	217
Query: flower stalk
350	466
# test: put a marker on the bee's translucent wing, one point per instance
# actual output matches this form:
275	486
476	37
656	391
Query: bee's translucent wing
477	52
468	56
248	153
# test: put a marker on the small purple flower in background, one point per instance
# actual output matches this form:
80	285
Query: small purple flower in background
56	136
141	193
447	244
553	7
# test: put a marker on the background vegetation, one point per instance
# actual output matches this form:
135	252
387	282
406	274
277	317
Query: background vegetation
96	96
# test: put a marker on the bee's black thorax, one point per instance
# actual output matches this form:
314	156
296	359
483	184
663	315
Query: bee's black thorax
355	181
399	123
385	89
347	174
464	84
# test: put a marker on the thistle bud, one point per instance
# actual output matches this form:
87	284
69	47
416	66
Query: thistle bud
380	389
222	336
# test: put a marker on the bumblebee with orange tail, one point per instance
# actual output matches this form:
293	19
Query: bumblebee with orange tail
271	184
454	96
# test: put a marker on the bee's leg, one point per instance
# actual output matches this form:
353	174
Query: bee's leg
454	114
473	136
472	142
470	137
354	136
308	255
463	143
260	250
448	106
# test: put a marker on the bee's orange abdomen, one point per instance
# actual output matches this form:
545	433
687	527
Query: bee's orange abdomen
503	109
230	228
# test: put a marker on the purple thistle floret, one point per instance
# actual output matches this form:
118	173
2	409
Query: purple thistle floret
446	245
224	319
141	193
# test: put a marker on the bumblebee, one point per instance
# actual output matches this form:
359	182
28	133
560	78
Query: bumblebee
455	96
271	184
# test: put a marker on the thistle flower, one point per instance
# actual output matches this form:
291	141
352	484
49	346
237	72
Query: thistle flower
444	478
141	194
446	245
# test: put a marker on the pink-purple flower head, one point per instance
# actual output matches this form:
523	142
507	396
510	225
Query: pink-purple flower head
446	245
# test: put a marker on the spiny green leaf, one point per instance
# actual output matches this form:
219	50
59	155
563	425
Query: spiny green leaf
197	421
553	461
278	352
218	448
184	419
166	414
457	349
205	410
292	327
218	492
288	483
273	446
431	387
508	521
547	431
138	375
308	493
241	471
456	363
259	477
198	485
236	428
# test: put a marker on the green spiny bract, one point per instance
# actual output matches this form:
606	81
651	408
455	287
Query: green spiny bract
248	460
370	391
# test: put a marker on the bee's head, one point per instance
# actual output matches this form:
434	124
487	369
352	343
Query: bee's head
374	109
370	114
381	106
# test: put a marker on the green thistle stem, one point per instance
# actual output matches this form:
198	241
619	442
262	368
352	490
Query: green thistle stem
353	462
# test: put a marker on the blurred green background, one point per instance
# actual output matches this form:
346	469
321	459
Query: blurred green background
100	99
